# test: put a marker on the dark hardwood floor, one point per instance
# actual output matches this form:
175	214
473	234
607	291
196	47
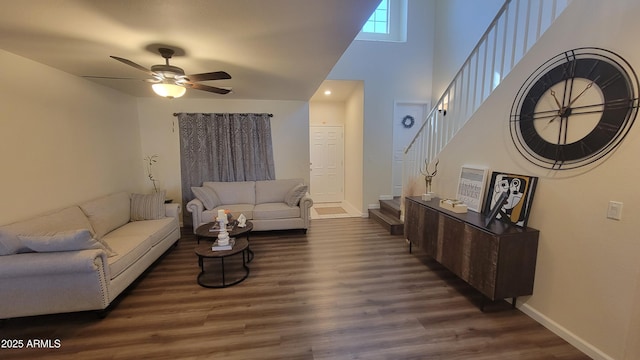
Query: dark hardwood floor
345	290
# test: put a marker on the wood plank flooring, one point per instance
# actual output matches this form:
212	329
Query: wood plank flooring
345	290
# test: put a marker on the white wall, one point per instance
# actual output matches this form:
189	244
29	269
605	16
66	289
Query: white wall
160	134
327	113
391	72
588	268
63	139
354	149
459	24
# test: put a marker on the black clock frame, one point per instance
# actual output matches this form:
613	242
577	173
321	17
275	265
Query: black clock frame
619	86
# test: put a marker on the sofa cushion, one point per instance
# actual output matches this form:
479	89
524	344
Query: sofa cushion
66	219
272	191
131	242
147	206
156	230
240	192
108	212
62	241
278	210
207	195
295	194
10	243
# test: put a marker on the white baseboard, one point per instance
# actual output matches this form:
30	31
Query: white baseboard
567	335
385	197
373	206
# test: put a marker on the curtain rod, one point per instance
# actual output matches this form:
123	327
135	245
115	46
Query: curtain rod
176	114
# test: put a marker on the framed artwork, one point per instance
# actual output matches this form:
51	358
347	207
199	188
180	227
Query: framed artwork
471	187
509	197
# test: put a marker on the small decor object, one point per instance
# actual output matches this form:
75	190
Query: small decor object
408	121
242	221
574	109
457	206
471	187
218	247
149	161
428	176
223	236
519	189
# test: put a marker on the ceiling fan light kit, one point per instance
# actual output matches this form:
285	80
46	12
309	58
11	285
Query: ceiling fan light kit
171	82
169	90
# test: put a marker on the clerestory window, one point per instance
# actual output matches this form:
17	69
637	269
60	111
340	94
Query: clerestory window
387	23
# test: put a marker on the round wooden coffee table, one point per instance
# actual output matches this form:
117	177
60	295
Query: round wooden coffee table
204	251
204	231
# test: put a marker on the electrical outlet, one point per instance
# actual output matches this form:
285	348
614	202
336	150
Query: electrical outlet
615	210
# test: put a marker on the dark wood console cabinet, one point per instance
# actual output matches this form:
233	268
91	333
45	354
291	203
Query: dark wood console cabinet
499	260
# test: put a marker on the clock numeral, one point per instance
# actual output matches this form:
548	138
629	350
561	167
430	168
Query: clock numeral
619	104
585	149
617	76
603	126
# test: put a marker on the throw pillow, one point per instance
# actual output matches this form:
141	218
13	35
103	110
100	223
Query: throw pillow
295	194
10	243
62	241
147	206
207	195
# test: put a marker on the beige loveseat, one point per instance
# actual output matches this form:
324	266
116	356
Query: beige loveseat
82	257
269	204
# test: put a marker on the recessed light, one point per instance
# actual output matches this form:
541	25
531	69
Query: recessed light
327	92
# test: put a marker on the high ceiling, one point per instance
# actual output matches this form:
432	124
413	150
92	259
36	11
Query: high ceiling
273	49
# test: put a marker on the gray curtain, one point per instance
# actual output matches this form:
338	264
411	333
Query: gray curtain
224	147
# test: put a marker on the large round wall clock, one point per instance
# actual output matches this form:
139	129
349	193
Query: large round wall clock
574	109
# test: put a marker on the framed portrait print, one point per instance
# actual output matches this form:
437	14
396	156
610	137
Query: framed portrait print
509	197
471	187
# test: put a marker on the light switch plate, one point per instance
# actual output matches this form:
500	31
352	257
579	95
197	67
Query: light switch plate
615	210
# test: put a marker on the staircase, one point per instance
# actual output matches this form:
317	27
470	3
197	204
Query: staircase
516	27
389	216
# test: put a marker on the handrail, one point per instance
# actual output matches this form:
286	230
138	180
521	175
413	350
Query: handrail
511	33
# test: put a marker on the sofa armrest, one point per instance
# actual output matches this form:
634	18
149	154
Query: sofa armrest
306	202
195	207
53	282
172	210
305	210
59	262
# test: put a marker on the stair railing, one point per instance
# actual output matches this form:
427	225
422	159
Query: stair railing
516	27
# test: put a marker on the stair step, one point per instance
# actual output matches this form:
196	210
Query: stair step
394	225
391	207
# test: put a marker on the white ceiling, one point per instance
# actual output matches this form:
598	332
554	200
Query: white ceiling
274	50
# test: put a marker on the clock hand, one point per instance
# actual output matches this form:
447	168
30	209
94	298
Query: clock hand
553	93
583	91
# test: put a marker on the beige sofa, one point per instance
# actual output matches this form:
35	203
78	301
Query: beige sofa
269	204
82	257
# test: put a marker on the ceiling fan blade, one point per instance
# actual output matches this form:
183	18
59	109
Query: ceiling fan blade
212	89
111	78
215	75
132	64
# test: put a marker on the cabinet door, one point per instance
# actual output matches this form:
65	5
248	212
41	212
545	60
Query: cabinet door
451	244
483	261
414	223
430	244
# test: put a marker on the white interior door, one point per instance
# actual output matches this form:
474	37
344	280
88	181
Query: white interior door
402	135
327	163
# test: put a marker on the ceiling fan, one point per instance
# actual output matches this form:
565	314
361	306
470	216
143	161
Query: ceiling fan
170	81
